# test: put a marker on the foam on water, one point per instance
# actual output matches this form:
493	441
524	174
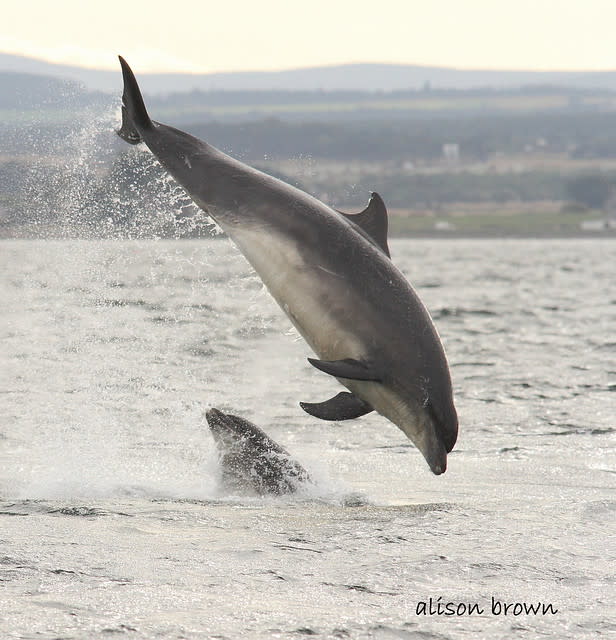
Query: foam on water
121	359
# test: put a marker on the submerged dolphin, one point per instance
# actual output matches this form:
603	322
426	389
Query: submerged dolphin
250	459
331	274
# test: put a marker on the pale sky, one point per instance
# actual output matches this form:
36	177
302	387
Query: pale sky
205	36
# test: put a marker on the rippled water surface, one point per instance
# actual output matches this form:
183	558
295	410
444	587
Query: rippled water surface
112	522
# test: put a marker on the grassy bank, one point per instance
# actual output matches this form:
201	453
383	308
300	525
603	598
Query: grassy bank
539	224
523	224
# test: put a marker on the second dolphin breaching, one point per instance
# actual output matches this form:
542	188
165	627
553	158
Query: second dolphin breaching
331	274
250	460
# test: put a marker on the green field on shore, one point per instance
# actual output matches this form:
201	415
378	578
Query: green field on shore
540	223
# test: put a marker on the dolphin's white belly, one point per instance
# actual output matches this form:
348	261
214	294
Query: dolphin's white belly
304	291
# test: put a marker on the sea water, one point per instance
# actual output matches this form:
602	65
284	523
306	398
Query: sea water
112	520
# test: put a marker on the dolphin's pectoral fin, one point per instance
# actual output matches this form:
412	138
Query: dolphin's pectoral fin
348	368
373	221
344	406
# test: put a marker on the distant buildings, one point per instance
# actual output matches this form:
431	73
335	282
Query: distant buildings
605	224
608	223
451	152
444	225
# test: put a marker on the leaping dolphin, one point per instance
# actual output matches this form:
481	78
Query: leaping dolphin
250	459
332	275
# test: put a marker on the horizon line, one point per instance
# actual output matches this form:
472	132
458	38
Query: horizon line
318	66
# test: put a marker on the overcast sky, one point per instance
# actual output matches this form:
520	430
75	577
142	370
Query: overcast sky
204	36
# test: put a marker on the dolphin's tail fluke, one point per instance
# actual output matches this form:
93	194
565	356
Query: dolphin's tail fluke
135	118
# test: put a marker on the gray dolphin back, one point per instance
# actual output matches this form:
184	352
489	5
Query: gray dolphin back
250	460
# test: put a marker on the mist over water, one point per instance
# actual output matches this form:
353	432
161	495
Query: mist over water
81	181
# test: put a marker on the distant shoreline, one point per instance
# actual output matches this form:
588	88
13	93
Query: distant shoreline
56	234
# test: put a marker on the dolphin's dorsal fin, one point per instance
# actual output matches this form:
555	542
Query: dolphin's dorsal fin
372	221
344	406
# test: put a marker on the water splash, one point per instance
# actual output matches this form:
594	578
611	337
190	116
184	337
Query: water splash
82	181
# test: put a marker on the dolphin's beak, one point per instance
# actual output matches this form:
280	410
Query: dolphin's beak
216	419
214	415
221	427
